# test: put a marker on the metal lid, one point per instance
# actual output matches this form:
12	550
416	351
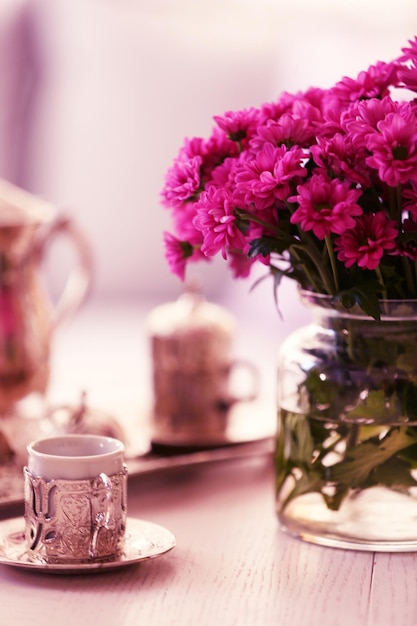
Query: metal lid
189	313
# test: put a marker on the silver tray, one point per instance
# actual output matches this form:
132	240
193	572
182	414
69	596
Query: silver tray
11	476
249	434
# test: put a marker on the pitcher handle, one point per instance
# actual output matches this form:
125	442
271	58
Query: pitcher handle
78	282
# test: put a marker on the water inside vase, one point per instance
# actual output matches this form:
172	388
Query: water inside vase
349	485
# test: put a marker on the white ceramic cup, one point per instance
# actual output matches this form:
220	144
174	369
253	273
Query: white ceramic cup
75	498
75	457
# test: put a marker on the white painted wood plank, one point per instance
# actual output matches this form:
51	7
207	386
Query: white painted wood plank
231	565
394	598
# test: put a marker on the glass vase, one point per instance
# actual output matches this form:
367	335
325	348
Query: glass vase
346	453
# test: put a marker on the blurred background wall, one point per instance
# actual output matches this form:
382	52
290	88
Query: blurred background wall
96	97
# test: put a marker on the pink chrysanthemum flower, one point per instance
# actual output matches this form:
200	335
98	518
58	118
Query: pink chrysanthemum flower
338	157
325	206
216	150
366	243
240	264
222	175
408	73
298	174
333	109
238	125
311	99
182	182
177	253
269	176
408	76
363	117
409	53
216	219
306	106
184	227
287	130
372	83
394	148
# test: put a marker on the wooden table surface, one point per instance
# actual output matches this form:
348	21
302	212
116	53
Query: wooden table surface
232	565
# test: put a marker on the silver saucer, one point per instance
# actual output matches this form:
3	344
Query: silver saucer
144	540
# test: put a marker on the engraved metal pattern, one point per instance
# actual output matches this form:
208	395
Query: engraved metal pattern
75	521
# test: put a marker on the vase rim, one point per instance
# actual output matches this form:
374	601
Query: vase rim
392	309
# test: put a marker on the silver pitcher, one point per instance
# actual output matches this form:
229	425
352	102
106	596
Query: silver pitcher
28	317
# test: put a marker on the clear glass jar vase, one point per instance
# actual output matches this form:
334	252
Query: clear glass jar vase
346	453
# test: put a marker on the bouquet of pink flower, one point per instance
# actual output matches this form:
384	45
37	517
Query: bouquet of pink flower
319	186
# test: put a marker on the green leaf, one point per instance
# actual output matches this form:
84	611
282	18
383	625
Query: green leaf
365	296
395	472
334	501
309	481
263	246
301	442
409	400
376	408
408	363
409	455
294	448
277	275
362	459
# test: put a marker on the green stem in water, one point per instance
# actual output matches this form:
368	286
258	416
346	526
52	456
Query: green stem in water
332	258
415	270
398	206
309	276
392	203
408	278
328	287
381	280
308	245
